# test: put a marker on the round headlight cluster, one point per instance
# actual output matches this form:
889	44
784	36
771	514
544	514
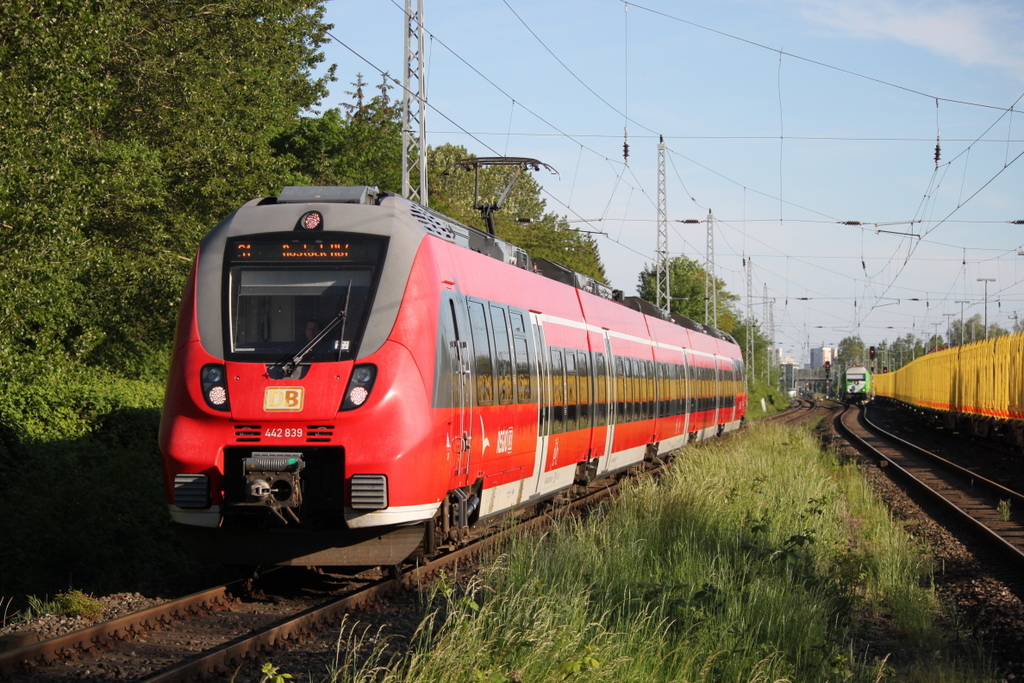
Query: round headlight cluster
358	395
311	220
215	389
359	386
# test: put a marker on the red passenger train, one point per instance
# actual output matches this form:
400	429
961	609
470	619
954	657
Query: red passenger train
355	376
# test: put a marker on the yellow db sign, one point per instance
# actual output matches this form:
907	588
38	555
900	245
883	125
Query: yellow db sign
283	399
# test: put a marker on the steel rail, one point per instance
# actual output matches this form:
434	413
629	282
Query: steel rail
1011	551
22	660
226	657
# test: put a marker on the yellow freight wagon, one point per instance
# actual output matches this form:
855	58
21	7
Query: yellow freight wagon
977	387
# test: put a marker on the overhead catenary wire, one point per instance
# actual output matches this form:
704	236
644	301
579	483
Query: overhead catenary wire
626	180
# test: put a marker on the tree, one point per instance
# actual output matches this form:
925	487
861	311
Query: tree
851	351
363	146
686	284
127	130
972	330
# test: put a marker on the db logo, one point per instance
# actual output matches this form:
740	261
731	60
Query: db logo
283	399
505	440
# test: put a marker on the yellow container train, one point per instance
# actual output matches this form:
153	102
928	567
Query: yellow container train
977	387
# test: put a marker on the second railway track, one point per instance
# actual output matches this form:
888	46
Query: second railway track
991	510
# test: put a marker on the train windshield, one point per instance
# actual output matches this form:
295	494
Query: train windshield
282	292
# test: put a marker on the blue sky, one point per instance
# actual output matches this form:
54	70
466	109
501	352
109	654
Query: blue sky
784	119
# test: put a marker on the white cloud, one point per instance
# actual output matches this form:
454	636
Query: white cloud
972	32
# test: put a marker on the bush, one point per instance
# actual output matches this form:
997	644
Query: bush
81	494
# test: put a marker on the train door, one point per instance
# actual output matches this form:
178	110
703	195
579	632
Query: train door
718	376
684	389
543	406
454	391
605	369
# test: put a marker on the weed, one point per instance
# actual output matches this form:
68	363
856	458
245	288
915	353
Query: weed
72	603
1004	510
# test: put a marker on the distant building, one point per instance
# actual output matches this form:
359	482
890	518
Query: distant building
822	354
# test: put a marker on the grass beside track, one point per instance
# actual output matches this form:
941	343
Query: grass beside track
758	558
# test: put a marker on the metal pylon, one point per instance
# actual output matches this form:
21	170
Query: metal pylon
663	293
414	108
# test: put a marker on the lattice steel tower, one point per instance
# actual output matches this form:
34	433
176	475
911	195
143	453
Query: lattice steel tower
663	293
414	108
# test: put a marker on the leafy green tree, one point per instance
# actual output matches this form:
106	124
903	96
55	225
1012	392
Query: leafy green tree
851	352
973	329
686	285
128	129
522	220
362	146
904	350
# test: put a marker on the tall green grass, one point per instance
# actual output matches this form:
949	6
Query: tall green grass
757	559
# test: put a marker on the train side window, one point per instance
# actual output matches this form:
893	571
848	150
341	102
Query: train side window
601	408
503	356
699	390
686	374
634	389
483	365
709	389
585	398
678	385
518	323
652	388
730	387
571	392
664	397
639	391
703	390
557	393
638	396
629	398
524	389
620	391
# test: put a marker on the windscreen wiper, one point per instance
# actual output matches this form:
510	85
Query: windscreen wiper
289	367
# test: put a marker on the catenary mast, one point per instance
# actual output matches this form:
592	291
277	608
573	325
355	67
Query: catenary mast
414	108
663	295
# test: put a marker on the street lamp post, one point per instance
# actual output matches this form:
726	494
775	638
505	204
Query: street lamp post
986	280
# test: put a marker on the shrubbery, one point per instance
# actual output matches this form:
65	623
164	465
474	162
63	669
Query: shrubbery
81	498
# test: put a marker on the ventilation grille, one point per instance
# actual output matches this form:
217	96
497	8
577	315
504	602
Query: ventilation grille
317	433
369	491
432	224
191	491
246	433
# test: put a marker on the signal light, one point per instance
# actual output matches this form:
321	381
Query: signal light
311	220
871	351
359	386
215	388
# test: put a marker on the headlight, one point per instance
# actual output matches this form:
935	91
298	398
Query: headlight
359	386
215	388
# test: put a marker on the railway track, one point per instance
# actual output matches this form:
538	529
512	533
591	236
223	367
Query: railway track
802	410
209	634
990	510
